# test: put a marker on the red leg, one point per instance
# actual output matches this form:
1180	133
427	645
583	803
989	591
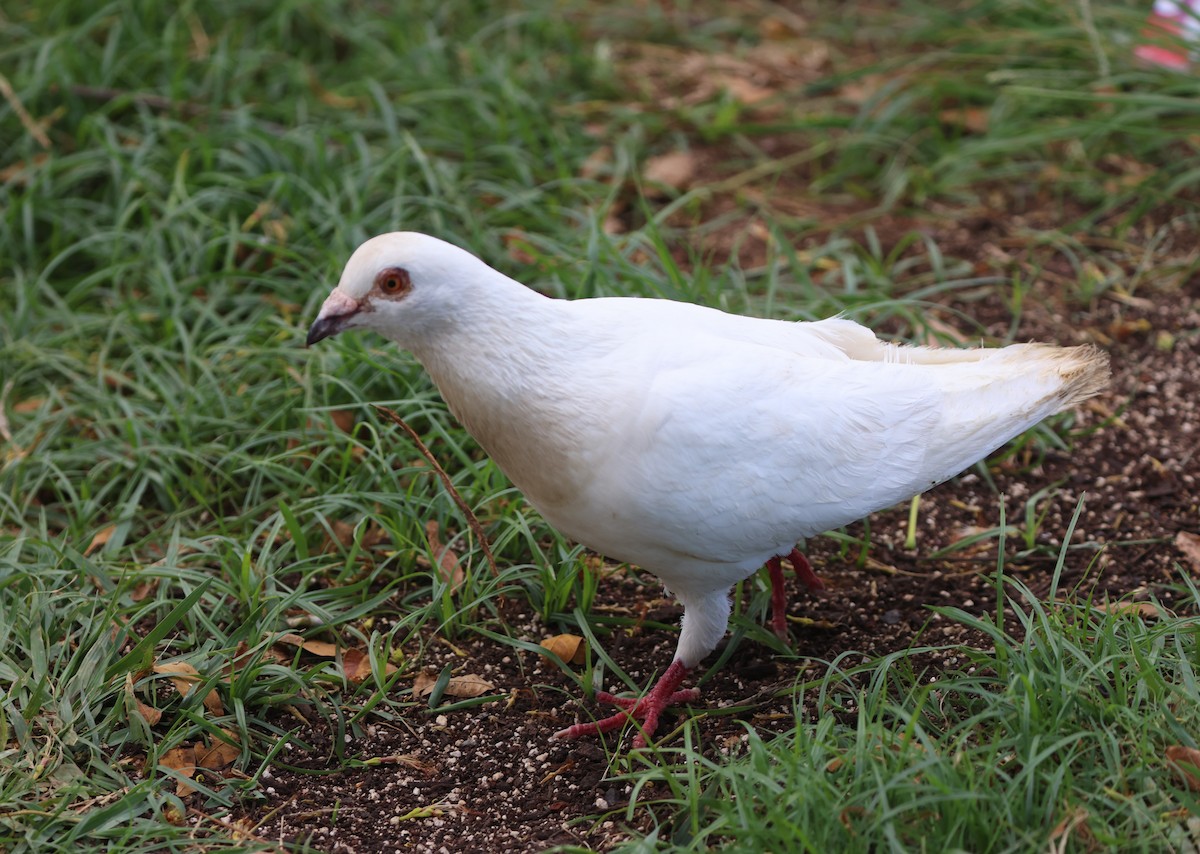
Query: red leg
647	709
804	572
778	600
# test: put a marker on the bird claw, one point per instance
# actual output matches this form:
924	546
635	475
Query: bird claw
644	710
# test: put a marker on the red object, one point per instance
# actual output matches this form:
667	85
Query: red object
647	710
804	572
1162	26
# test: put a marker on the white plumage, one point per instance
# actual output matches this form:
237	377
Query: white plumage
694	443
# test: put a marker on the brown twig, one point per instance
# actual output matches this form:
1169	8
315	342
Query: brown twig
441	472
32	127
162	104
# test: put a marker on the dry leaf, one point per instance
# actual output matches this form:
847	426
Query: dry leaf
343	533
184	677
1076	818
144	589
324	649
1189	544
343	419
463	687
675	169
181	760
150	714
356	664
219	753
1148	610
11	171
32	404
423	684
971	119
101	538
446	561
1185	761
570	648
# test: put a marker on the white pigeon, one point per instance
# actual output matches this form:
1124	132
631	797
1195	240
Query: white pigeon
696	444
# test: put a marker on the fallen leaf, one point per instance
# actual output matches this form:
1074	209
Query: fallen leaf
971	119
446	561
1076	818
343	419
181	760
1148	610
423	684
1189	544
150	714
431	811
1185	761
11	171
463	687
675	170
342	534
32	404
147	713
144	589
570	648
184	677
219	753
356	664
324	649
100	539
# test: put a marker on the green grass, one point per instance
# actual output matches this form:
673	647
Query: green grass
1052	734
161	257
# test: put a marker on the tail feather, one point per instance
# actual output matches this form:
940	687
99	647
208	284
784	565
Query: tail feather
992	400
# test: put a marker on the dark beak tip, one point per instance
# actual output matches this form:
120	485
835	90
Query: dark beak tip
321	329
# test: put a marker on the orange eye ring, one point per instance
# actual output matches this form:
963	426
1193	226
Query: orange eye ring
393	282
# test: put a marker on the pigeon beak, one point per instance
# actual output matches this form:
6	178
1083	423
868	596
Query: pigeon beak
332	318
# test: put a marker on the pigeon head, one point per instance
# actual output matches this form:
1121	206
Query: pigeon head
402	285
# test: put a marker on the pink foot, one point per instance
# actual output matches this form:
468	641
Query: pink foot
646	710
808	578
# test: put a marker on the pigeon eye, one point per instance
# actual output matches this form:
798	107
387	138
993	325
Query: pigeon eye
394	281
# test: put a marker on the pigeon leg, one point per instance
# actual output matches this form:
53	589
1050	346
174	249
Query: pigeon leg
804	572
778	600
646	710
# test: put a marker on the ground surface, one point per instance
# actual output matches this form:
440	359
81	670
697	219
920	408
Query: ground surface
499	780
